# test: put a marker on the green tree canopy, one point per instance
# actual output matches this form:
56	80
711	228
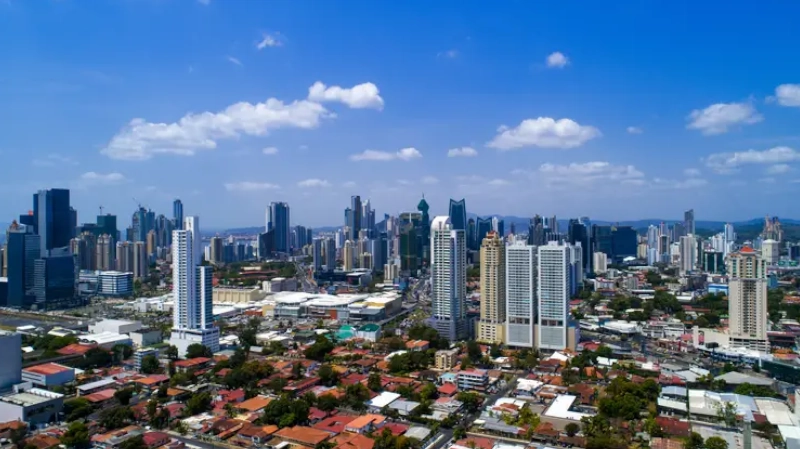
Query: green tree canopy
76	436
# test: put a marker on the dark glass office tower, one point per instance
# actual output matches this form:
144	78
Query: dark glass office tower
472	242
602	239
52	219
458	214
484	226
578	233
425	229
54	282
177	213
355	217
73	222
624	242
409	250
279	222
107	224
23	249
536	231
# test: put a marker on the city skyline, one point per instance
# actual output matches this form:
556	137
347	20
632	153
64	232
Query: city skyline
535	119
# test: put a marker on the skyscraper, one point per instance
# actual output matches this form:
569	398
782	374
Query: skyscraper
317	254
554	285
747	299
536	231
688	249
52	219
193	318
330	254
520	294
141	262
425	230
688	222
458	215
55	277
491	326
483	227
215	250
348	255
278	220
177	213
105	253
368	218
355	217
448	279
22	250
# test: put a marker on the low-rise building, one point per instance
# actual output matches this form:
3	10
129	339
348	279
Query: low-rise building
474	379
232	295
48	374
146	337
33	405
446	359
115	283
115	326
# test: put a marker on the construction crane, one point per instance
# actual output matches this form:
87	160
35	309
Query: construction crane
101	209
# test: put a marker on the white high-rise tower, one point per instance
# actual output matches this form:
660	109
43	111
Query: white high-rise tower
448	279
192	290
520	294
555	284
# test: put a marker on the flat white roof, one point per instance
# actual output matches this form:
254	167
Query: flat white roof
560	408
113	322
383	399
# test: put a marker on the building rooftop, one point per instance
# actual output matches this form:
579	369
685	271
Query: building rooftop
30	397
47	369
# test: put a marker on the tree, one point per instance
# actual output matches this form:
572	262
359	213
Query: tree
197	350
474	351
694	441
495	351
374	382
198	403
747	389
459	433
472	401
322	346
327	375
124	396
124	352
355	396
572	429
136	442
96	358
327	403
171	352
150	364
297	370
716	443
18	435
726	412
286	412
238	358
77	408
116	417
76	436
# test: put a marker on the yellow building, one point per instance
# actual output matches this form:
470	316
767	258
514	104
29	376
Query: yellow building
228	295
491	326
446	359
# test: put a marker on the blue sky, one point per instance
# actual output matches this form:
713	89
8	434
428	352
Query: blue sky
639	110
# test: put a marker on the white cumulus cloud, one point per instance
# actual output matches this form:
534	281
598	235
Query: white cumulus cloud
313	182
557	60
544	132
235	61
92	178
429	180
362	96
249	186
141	140
634	130
269	40
778	169
726	163
589	172
270	151
788	95
721	117
462	152
449	54
406	154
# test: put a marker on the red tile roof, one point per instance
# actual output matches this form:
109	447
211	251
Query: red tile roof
189	363
47	369
335	424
